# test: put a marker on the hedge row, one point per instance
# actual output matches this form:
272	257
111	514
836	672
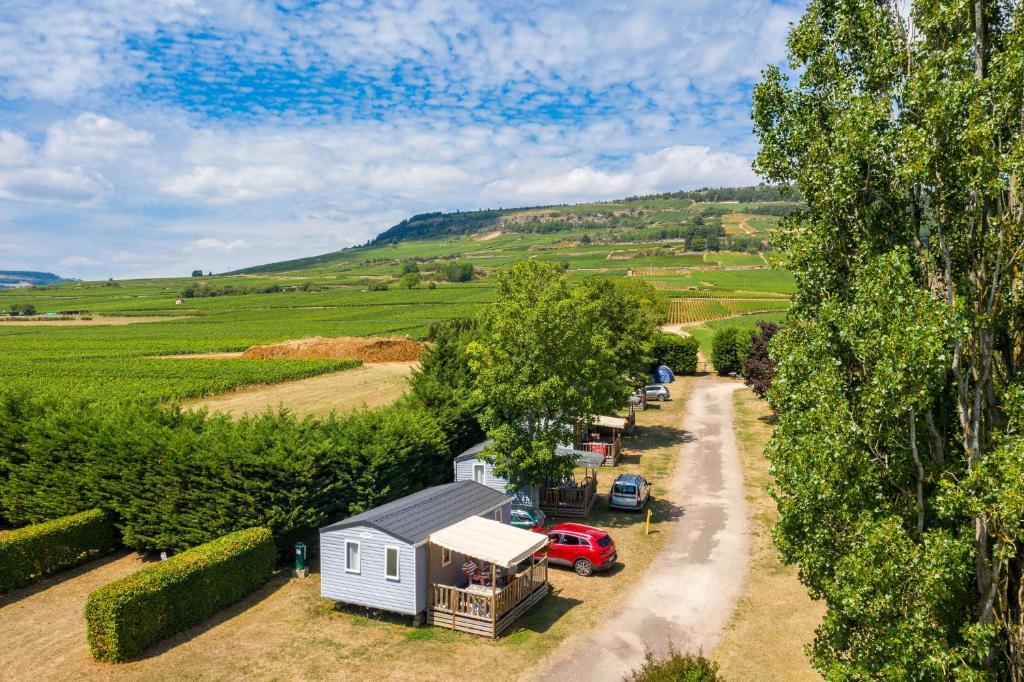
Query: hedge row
677	352
33	552
127	615
177	479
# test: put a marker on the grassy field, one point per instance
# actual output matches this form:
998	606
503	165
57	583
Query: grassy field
774	618
287	631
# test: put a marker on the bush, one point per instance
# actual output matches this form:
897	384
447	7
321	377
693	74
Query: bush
758	367
676	667
728	348
678	352
33	552
127	615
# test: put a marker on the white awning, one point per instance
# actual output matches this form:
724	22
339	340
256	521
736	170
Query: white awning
610	422
489	540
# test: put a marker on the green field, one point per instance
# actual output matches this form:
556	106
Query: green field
642	238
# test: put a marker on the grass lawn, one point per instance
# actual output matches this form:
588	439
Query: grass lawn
287	631
774	618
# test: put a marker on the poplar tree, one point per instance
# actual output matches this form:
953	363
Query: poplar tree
899	451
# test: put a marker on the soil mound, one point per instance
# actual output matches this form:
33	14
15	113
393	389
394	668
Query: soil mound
345	348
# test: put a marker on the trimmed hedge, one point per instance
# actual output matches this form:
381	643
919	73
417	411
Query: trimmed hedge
127	615
177	479
679	353
33	552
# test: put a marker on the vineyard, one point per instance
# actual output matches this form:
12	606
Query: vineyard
355	292
688	310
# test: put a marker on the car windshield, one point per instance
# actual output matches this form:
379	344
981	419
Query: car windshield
625	489
604	540
538	516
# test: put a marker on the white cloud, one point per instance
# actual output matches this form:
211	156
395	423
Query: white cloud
77	262
14	149
91	137
211	245
74	185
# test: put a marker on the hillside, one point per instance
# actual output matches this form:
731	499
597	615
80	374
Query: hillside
12	279
699	218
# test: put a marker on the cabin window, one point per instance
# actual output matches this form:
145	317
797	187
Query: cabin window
446	556
478	473
391	563
352	556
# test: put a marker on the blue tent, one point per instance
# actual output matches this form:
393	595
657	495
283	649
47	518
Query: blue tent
663	375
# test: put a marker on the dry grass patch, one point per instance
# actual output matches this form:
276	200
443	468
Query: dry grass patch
286	630
371	385
736	223
774	618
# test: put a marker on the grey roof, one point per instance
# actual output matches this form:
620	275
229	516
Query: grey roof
473	451
414	517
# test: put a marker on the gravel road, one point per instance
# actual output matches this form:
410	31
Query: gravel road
687	595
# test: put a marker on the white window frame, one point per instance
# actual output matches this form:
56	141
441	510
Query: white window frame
497	514
398	567
359	557
483	472
446	556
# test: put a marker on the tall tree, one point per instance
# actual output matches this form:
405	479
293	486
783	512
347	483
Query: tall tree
544	361
898	384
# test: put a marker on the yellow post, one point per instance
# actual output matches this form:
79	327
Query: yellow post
648	522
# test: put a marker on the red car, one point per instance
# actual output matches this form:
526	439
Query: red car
585	548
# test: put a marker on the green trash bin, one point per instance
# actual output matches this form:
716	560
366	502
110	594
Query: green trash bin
300	556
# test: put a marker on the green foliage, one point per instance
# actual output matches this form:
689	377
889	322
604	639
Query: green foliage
444	382
409	280
456	271
544	360
176	479
127	615
898	373
729	347
675	667
679	353
33	552
631	311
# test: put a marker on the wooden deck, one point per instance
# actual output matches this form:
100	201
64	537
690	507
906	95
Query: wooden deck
487	614
576	501
611	449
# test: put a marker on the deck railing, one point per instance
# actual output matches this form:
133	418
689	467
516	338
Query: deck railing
488	605
575	497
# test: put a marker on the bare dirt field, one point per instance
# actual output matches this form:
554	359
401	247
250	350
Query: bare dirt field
367	349
371	385
92	322
489	236
774	617
286	631
736	223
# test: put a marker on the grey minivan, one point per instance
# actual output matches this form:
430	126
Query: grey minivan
629	491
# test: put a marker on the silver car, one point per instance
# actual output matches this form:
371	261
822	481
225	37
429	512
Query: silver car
657	392
629	491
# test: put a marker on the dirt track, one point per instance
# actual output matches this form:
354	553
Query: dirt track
688	593
371	385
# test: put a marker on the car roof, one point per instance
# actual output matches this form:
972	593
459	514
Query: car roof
580	528
635	479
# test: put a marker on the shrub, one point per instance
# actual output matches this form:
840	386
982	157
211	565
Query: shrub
728	348
33	552
678	352
127	615
758	367
675	667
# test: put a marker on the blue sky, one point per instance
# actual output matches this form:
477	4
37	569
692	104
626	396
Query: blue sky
153	138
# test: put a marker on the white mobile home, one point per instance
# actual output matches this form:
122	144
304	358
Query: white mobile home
410	556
